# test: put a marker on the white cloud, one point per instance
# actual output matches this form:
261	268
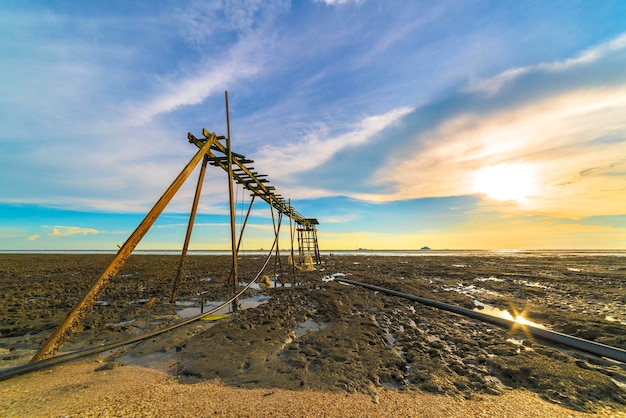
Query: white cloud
318	147
212	77
338	2
577	173
493	85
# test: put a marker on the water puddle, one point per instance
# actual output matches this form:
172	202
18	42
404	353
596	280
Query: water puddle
260	286
613	319
247	303
332	277
307	326
489	279
470	290
531	284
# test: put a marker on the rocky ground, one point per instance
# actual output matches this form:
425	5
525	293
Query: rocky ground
326	336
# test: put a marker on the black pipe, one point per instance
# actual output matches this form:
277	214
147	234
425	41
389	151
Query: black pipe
553	336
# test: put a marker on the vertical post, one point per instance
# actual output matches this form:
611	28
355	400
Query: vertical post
233	236
293	257
192	217
276	236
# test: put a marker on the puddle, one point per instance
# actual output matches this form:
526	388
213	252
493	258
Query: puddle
478	304
307	326
243	304
186	303
613	319
489	279
496	382
530	284
470	290
332	277
257	285
515	341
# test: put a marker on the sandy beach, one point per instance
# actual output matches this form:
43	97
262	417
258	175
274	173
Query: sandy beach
318	348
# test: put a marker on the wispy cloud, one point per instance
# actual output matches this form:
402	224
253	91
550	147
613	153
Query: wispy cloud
493	85
556	124
207	79
319	147
65	231
339	2
332	99
555	136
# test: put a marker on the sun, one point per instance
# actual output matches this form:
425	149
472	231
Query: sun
506	181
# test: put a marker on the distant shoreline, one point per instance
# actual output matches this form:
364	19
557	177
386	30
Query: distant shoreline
360	252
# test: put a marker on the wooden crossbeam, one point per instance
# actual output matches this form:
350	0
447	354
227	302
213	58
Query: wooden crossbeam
243	174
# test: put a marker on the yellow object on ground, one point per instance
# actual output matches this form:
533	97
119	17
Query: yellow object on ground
265	282
214	317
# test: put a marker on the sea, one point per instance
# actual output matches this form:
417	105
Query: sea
357	252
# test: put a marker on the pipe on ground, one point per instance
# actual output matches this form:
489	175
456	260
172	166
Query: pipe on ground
553	336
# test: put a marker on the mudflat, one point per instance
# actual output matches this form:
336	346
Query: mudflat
313	337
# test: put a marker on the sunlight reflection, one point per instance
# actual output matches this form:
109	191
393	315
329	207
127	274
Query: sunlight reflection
519	318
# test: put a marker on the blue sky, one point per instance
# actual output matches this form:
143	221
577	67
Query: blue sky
474	124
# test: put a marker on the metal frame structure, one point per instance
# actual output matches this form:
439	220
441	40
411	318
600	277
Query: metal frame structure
213	152
307	240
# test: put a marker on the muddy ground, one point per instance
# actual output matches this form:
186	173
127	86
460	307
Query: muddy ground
320	334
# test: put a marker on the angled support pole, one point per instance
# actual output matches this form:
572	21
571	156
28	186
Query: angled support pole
293	256
276	236
243	227
58	338
192	217
245	222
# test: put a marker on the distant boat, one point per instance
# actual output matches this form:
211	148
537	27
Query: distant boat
425	249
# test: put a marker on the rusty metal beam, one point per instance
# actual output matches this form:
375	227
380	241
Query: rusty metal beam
192	217
58	338
244	174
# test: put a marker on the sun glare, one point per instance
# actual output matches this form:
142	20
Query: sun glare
519	318
506	181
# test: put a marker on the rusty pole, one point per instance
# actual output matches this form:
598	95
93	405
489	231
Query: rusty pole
56	340
276	235
293	256
245	222
192	217
233	234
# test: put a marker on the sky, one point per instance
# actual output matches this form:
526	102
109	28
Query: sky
397	124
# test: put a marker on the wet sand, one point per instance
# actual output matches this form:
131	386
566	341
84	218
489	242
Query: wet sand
322	340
